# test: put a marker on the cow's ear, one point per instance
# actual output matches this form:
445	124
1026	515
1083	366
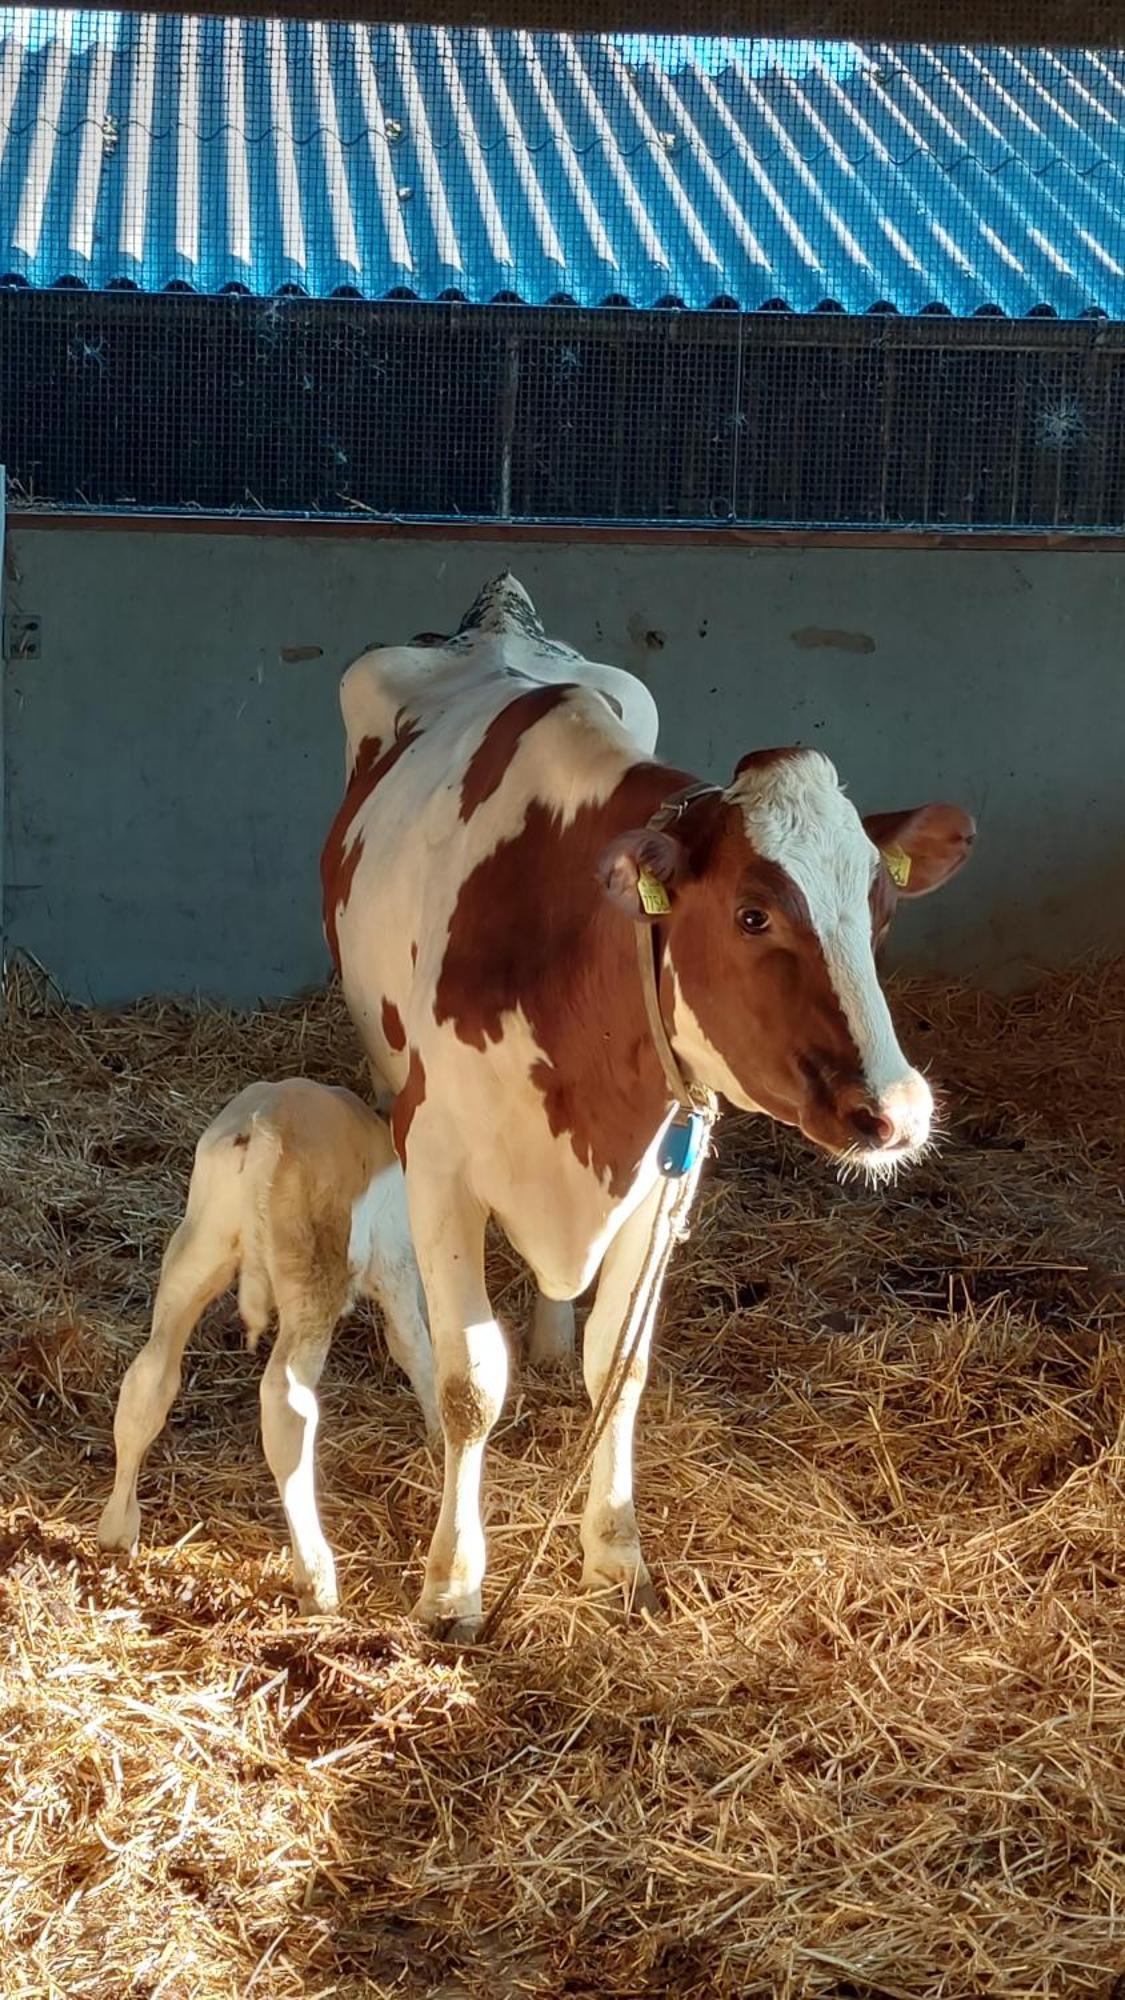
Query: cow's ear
924	847
639	872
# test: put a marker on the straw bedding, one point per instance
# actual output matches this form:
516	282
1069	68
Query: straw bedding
875	1752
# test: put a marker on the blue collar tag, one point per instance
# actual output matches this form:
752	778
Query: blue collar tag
682	1144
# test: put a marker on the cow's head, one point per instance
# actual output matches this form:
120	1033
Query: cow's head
778	895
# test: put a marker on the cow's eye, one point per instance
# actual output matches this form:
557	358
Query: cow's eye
754	922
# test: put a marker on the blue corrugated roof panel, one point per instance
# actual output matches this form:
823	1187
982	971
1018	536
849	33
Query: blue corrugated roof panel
258	155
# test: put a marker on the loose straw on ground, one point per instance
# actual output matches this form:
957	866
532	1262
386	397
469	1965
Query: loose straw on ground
876	1749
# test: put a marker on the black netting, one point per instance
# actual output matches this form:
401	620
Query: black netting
1038	23
444	274
438	412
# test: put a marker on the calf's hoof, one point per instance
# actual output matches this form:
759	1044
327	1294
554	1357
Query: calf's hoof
318	1594
318	1603
120	1528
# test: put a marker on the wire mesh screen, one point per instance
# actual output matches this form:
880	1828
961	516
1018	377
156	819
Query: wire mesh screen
441	273
1039	23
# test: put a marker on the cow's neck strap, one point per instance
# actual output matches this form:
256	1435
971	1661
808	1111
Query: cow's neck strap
649	950
687	1096
671	808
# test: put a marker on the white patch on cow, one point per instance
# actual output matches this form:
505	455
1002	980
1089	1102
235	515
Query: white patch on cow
798	816
698	1053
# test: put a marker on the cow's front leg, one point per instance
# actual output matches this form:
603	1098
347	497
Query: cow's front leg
471	1369
611	1548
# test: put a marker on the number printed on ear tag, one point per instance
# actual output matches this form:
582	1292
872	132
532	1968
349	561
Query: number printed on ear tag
653	894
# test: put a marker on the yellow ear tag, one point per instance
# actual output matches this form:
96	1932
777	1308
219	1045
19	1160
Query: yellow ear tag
898	865
653	895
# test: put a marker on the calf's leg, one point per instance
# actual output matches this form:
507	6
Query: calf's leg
290	1413
199	1263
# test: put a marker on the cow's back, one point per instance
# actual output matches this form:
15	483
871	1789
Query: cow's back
448	746
476	676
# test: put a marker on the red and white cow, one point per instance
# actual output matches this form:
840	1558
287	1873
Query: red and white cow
480	891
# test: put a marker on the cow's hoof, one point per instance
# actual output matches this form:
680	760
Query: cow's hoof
450	1624
620	1597
646	1598
120	1528
456	1631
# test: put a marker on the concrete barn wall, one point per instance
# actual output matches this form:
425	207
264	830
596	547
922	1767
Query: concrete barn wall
174	755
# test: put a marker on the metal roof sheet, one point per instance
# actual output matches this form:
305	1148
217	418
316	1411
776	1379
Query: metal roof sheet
335	157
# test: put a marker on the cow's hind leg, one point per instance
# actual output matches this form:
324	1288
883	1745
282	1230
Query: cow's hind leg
471	1362
396	1286
612	1559
290	1413
551	1341
198	1265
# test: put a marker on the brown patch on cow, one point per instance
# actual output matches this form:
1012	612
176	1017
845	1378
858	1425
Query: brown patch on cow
338	862
532	929
406	1104
938	839
394	1034
414	954
241	1139
759	882
467	1414
493	755
759	760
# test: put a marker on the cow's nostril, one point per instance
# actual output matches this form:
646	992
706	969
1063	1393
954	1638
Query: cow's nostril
873	1128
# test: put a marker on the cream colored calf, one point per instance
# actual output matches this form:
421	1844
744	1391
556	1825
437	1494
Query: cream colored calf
296	1189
